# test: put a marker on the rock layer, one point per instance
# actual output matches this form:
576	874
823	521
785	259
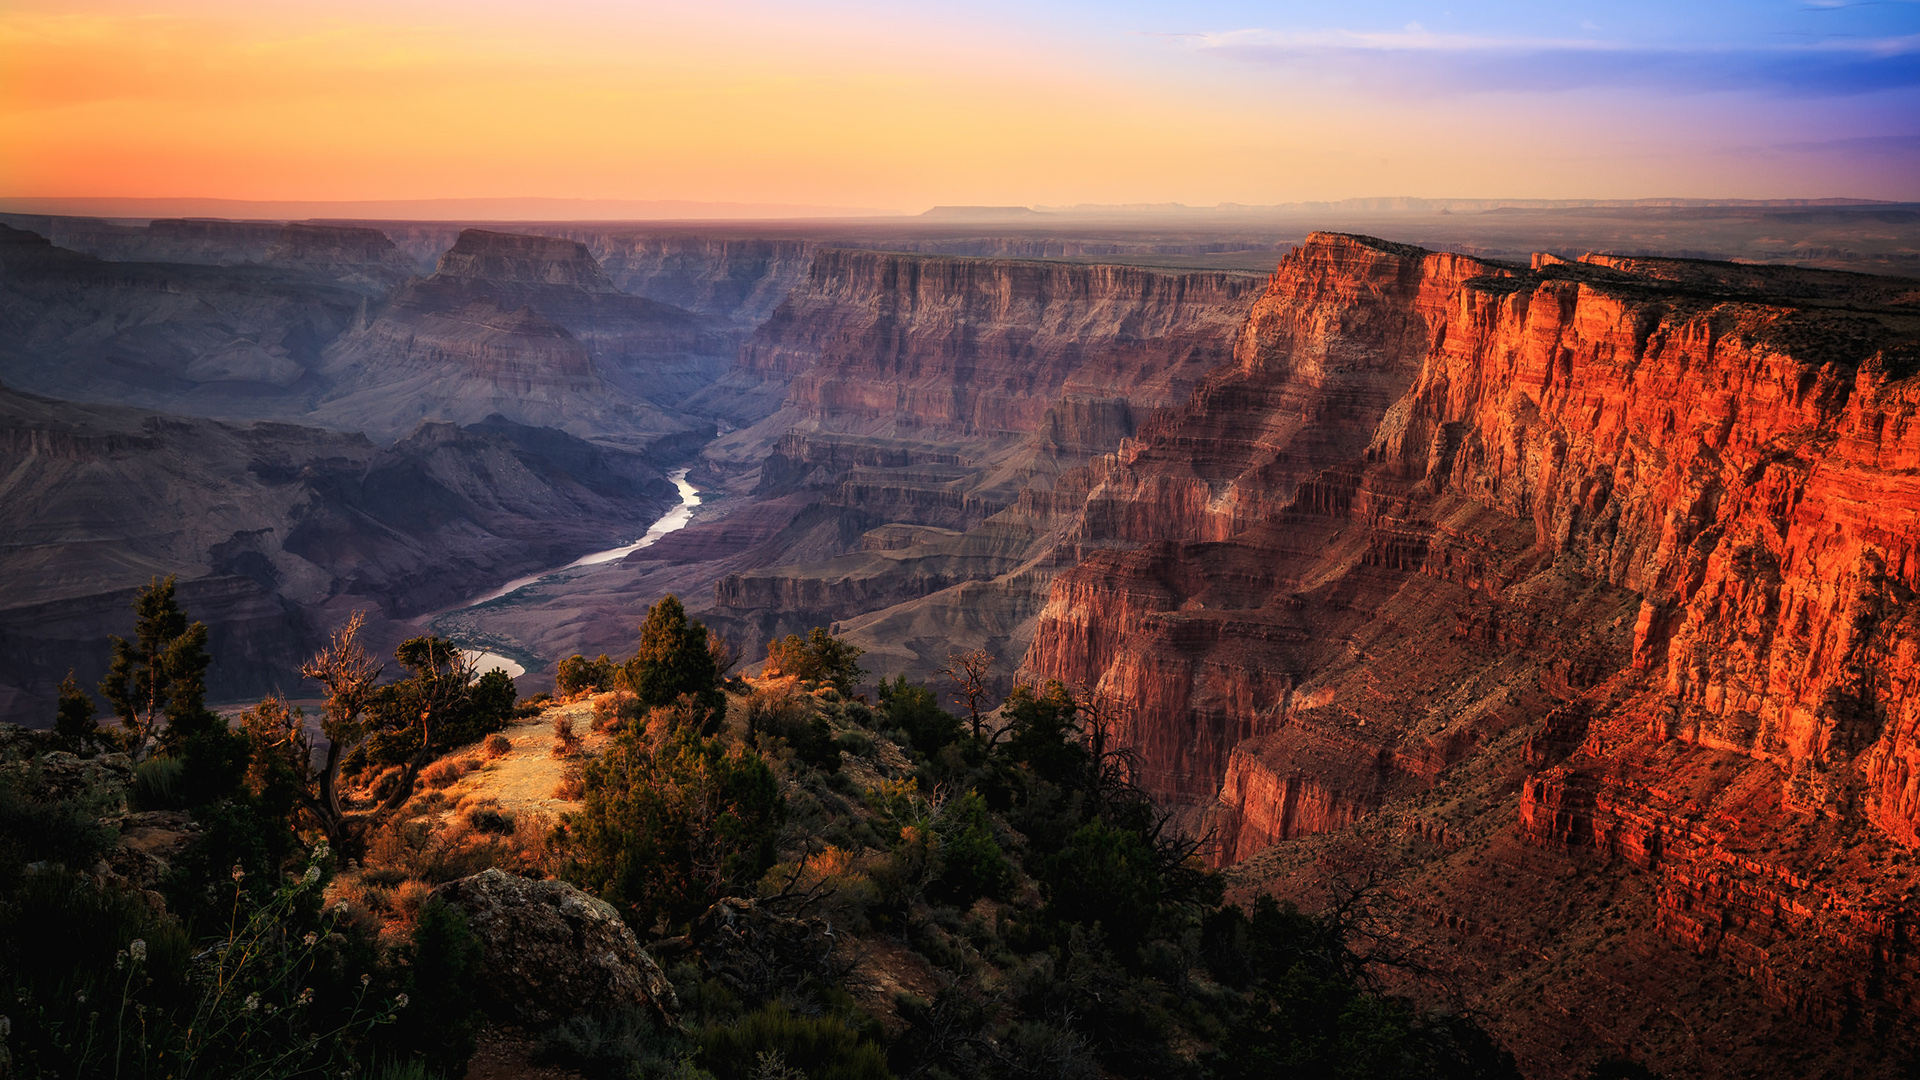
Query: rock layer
1618	554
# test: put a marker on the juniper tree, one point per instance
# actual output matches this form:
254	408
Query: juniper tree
161	675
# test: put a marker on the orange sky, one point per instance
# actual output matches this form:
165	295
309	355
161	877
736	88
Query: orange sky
840	106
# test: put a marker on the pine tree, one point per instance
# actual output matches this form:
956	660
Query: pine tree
74	726
162	673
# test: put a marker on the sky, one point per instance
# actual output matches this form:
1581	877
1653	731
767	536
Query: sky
898	106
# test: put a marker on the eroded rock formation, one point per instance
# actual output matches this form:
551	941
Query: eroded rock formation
1614	557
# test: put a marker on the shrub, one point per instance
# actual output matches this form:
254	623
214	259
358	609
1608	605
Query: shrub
496	746
616	710
579	675
572	786
565	742
916	710
442	1019
441	773
610	1046
674	659
157	784
821	1048
819	658
788	716
970	862
667	831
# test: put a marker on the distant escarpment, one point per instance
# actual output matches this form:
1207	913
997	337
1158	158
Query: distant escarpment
1499	566
877	343
357	256
929	393
529	327
277	530
741	279
211	339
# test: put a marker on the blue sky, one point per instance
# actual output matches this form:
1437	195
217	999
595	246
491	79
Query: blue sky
900	105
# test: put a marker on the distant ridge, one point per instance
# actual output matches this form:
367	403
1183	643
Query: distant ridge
980	213
1412	205
509	209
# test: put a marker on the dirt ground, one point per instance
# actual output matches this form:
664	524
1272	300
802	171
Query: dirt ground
524	778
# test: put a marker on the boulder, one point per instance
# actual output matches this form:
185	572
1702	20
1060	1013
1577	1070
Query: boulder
550	951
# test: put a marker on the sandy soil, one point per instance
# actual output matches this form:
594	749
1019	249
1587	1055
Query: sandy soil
524	778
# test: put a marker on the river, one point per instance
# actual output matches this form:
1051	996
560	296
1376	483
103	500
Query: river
671	521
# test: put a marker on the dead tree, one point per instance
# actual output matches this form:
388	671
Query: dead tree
970	672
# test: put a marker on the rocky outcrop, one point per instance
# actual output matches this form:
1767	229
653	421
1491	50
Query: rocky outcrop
1612	556
549	951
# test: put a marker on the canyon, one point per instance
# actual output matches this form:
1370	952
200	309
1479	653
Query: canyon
1565	602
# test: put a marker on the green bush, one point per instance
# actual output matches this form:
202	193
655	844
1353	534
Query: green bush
916	710
38	827
822	1048
792	718
442	1020
611	1046
970	862
674	658
664	833
817	658
579	675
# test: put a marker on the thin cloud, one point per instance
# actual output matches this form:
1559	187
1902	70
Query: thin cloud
1416	60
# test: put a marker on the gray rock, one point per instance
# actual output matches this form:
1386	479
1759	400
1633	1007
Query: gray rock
550	951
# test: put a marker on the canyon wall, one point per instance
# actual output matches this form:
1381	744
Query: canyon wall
530	328
886	344
931	392
276	530
1613	556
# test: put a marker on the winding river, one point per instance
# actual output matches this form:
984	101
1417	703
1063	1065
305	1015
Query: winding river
671	521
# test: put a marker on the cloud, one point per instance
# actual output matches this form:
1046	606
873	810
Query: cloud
1418	61
1867	145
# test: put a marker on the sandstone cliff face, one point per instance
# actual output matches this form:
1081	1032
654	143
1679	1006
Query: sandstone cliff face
1641	530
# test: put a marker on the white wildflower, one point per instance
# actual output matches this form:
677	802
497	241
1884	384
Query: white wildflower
400	1001
320	853
80	996
340	908
305	998
310	939
365	978
312	875
252	1002
137	948
238	872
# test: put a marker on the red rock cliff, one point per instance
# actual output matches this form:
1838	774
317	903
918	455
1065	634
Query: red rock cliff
1633	542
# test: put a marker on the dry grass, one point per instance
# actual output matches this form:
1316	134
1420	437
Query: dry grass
496	746
447	770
